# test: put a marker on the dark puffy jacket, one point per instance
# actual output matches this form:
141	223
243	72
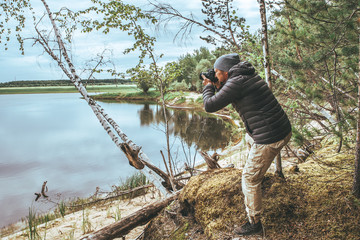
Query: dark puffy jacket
264	119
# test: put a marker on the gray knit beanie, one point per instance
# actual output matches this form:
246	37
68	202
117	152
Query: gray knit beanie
225	62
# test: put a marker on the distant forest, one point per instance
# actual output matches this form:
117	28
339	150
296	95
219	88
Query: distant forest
47	83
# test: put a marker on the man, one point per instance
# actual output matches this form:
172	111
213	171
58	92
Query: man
267	126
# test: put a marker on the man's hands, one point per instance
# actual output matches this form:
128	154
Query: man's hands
206	81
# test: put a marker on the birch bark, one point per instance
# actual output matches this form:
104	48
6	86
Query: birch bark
265	45
104	119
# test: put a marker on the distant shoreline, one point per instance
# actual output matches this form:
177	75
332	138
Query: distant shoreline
68	89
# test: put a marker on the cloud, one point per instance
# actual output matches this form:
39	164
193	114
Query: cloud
87	46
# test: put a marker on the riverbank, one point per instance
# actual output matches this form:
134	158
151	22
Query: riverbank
90	218
315	202
119	88
319	205
193	97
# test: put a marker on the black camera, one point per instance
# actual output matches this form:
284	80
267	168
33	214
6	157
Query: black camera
210	74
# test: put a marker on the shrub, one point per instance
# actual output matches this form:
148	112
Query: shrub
180	86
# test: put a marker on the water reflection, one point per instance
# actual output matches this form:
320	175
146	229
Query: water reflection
194	128
57	138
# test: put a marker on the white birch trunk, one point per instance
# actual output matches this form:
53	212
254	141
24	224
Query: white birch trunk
265	45
107	122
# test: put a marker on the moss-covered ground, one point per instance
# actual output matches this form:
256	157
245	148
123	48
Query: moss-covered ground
312	203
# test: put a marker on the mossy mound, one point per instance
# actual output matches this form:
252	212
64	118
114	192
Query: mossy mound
314	203
216	201
211	205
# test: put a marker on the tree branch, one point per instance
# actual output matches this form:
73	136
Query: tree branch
122	227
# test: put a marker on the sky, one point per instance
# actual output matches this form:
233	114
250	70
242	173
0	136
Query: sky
36	65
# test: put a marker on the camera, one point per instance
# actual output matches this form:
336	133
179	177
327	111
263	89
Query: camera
210	74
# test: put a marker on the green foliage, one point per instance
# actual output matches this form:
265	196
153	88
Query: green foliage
13	12
180	233
222	17
314	44
142	77
297	137
180	100
136	180
172	95
117	214
32	225
120	16
203	65
172	72
62	208
199	100
192	64
179	86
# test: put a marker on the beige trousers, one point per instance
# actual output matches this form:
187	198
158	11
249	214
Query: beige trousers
259	159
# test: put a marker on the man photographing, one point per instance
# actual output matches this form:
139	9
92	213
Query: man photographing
267	125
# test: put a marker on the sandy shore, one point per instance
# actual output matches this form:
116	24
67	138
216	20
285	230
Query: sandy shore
73	226
76	224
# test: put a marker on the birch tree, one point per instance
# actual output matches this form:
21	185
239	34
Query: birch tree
264	41
117	15
266	54
136	157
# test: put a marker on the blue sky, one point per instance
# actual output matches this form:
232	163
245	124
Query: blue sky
36	65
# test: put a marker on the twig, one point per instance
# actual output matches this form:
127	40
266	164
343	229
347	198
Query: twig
116	196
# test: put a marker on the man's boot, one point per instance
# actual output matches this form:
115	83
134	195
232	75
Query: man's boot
249	229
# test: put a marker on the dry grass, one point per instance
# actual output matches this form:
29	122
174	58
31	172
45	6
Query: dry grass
315	203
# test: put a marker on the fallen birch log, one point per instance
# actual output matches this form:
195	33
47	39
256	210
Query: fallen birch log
122	227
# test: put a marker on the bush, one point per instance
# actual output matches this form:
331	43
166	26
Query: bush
180	86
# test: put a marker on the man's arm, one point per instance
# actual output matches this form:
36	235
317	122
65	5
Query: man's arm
214	102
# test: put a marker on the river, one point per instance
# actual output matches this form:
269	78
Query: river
57	138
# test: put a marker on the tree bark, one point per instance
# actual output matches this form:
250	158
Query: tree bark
118	195
211	161
122	227
356	185
265	45
107	122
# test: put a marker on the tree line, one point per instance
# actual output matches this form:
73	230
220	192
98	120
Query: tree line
49	83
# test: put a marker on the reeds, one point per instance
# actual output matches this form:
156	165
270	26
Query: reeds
32	225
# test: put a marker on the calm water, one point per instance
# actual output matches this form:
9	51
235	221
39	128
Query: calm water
57	138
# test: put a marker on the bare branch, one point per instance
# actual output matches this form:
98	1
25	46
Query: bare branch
166	13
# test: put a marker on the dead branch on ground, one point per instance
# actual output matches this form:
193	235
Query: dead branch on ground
118	194
211	161
122	227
